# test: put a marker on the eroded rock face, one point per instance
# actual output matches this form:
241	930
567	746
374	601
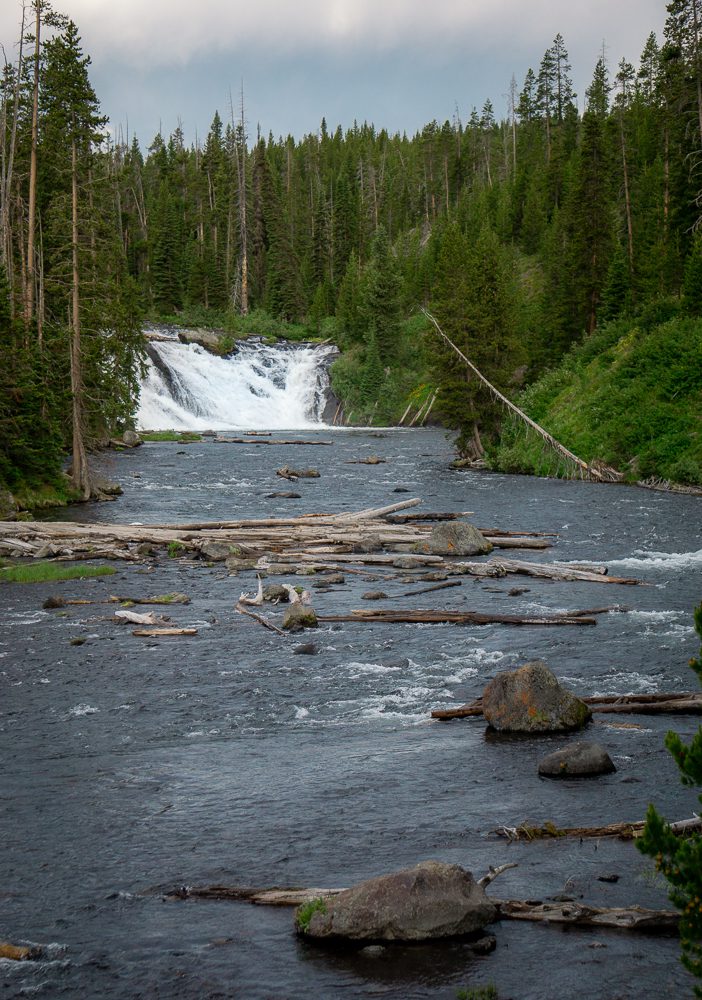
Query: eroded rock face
531	700
579	760
432	900
455	538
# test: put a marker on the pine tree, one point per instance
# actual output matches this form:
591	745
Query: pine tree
382	297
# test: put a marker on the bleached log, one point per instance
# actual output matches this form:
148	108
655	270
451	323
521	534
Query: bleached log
500	542
259	618
372	512
548	571
629	918
373	616
137	619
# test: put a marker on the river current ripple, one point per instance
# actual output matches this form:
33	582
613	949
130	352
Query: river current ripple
132	764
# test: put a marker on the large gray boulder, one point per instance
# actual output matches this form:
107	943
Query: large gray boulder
298	617
432	900
578	760
454	538
531	700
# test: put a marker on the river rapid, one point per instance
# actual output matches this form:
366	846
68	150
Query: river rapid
134	766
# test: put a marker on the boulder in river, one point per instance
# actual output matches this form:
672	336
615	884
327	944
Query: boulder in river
432	900
218	551
287	473
298	617
455	538
131	439
276	592
531	700
578	760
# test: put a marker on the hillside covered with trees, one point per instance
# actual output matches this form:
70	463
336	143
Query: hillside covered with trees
557	247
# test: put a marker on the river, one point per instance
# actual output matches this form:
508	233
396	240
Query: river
134	766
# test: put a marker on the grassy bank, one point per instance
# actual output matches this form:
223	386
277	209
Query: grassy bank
44	572
630	395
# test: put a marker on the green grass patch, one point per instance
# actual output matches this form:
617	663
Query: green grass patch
488	992
43	572
181	437
630	395
306	912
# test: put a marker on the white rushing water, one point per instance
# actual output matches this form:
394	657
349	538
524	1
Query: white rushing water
260	386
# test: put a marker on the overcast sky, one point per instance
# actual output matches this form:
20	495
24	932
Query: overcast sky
397	63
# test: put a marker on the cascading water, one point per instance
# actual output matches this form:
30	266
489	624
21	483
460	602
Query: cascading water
261	386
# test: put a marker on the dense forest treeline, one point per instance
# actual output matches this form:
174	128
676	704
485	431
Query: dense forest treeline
529	237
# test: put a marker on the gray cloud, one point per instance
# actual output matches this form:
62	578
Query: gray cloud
168	32
398	63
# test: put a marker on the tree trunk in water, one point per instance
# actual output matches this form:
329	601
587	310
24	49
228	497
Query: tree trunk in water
79	477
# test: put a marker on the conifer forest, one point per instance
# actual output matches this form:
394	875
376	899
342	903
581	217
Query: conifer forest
558	244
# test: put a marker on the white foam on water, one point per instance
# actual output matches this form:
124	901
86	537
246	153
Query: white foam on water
359	669
625	682
655	616
669	562
261	386
78	711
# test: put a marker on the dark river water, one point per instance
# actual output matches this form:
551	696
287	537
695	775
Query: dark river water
132	766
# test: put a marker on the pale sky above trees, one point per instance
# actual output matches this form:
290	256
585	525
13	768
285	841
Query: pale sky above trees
398	63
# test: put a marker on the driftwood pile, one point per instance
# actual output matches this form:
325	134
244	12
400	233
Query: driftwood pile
373	537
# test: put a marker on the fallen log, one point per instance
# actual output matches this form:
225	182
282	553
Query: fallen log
632	918
629	918
428	516
624	831
259	439
517	542
681	706
629	704
259	618
550	571
159	632
500	533
429	617
429	590
18	952
135	619
174	598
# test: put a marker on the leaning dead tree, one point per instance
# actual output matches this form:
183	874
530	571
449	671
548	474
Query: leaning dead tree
599	473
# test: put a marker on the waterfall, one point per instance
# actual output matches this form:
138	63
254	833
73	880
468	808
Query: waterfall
260	386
